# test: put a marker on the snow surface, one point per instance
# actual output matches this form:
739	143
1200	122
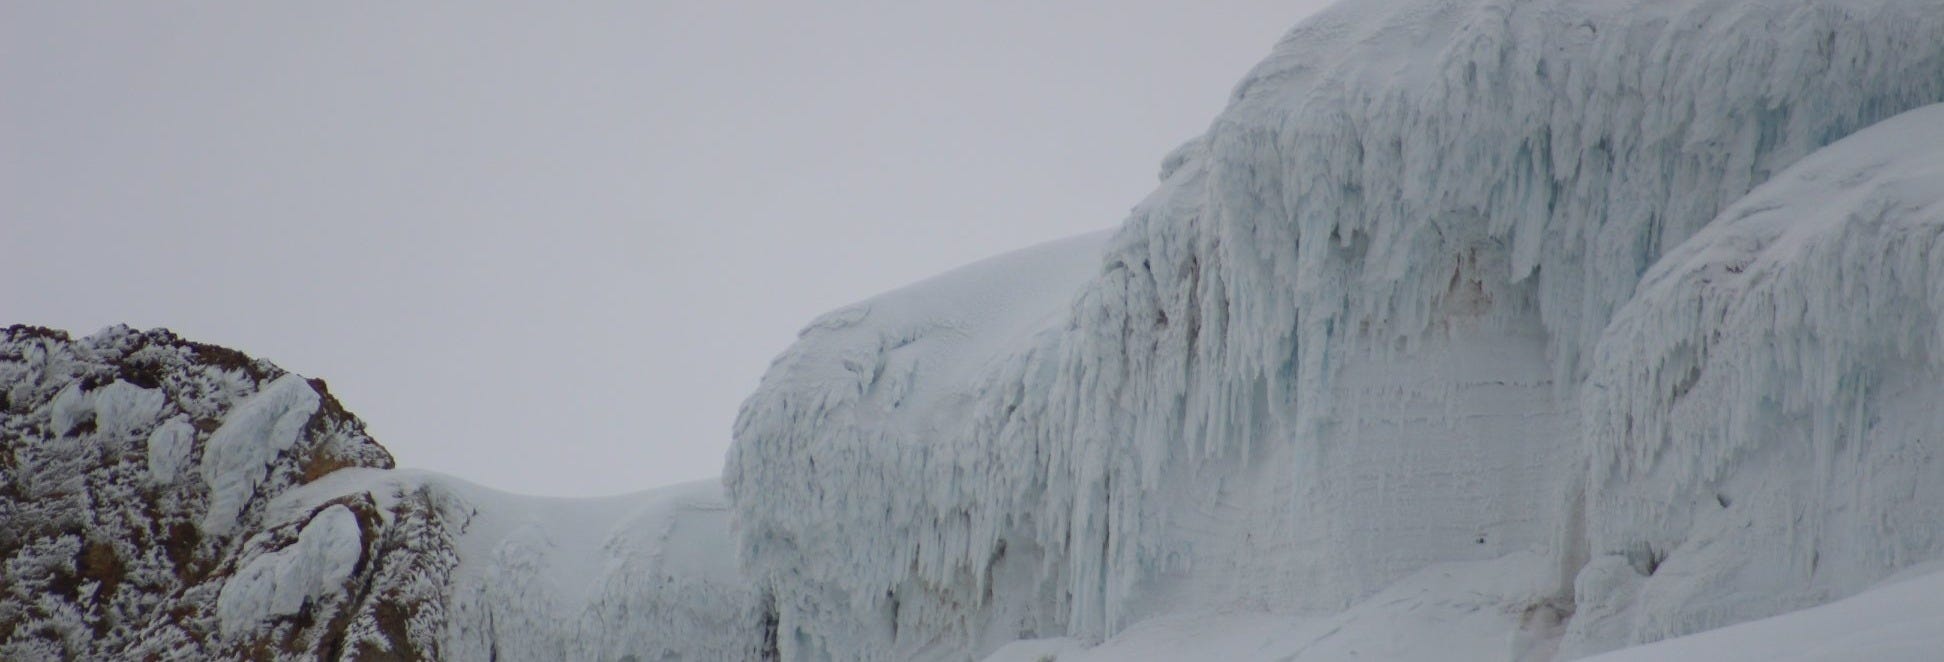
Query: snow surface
1900	622
1440	615
1363	328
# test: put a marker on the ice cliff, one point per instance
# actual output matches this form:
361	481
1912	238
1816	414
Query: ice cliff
1450	281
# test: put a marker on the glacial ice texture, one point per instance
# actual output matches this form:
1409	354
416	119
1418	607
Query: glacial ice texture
1390	312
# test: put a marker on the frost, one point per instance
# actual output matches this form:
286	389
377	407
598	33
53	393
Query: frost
238	454
280	582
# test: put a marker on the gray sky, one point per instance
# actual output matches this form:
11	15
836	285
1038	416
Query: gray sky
549	247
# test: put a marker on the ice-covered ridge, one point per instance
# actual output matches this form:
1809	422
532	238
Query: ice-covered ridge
1400	184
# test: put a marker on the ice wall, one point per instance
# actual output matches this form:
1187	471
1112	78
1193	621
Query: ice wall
1345	338
1761	418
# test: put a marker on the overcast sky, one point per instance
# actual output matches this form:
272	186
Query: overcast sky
549	247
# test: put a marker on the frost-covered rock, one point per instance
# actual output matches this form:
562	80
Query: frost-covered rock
108	550
298	542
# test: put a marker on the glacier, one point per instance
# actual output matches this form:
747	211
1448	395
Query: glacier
1405	303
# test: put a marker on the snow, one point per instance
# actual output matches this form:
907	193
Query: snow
1362	328
1438	615
169	447
116	409
1902	621
238	455
280	582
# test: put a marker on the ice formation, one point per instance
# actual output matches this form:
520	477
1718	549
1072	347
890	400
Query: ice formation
1363	327
281	582
239	453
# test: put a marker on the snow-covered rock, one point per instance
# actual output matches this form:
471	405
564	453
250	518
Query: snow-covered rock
299	542
109	552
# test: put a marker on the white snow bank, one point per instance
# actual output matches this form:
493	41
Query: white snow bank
280	582
239	453
1458	612
1488	610
1902	621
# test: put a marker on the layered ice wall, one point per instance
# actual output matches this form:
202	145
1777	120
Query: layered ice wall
1350	335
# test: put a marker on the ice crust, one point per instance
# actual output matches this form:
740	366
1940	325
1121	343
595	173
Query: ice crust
1395	309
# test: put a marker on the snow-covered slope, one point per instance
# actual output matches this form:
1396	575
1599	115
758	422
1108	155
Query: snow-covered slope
1423	619
1389	313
